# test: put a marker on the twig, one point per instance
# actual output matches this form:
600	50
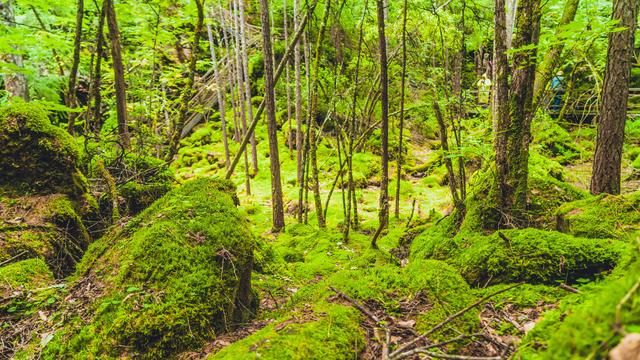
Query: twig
363	309
394	355
413	209
569	288
449	356
13	258
627	296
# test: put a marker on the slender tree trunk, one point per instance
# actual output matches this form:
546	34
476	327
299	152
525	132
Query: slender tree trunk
287	77
247	82
307	142
188	90
14	83
552	58
511	13
313	115
402	87
73	74
615	92
118	74
97	74
298	96
384	131
220	92
276	185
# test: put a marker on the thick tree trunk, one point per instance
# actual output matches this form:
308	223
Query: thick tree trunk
14	83
73	74
512	133
118	73
274	159
613	110
383	215
552	58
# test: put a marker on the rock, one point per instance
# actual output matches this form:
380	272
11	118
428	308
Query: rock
627	349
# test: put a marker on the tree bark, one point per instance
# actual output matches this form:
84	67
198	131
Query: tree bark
14	83
401	122
247	82
383	215
97	75
551	59
118	73
276	184
606	171
298	95
73	74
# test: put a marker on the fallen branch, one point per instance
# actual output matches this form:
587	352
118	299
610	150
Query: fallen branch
569	288
401	349
449	356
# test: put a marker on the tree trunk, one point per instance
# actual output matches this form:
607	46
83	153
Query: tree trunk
287	76
220	93
188	89
552	58
276	184
118	74
383	215
73	74
313	115
14	83
613	110
97	74
401	122
298	94
512	131
247	82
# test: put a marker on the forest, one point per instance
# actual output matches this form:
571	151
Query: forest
319	179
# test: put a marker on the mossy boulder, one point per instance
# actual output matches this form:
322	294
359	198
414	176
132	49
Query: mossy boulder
175	275
603	216
24	275
586	325
42	226
36	156
531	255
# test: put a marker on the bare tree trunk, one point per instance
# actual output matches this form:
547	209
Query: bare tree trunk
247	82
512	12
402	86
613	111
313	115
384	125
118	74
552	58
73	74
276	184
298	94
97	74
220	92
307	142
14	83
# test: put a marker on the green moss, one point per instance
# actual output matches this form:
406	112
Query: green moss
24	275
583	326
531	255
35	156
603	216
330	331
552	140
174	275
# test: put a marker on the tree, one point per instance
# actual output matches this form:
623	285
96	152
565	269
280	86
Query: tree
274	159
613	109
73	74
15	83
513	111
188	88
118	73
298	96
96	95
401	123
383	215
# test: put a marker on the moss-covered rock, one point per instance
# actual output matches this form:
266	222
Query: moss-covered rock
36	156
531	255
24	275
603	216
584	325
43	226
173	276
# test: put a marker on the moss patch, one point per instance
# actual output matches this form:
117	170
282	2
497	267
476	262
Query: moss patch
24	275
176	274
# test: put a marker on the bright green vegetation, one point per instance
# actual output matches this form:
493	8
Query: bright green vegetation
175	275
24	275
